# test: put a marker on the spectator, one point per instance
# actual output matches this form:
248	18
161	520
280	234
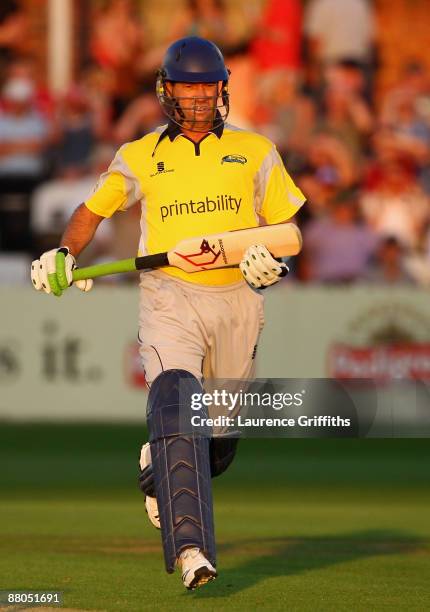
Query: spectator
140	117
77	127
286	116
330	169
388	266
98	87
23	137
113	26
347	75
337	247
13	31
414	84
405	118
339	30
347	117
116	42
409	132
396	205
25	67
277	44
23	132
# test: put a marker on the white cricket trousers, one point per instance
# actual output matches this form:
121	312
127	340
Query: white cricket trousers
211	332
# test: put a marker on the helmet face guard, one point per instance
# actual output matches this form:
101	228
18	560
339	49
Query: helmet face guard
193	60
174	106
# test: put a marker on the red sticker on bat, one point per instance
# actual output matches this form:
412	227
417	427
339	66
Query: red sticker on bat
205	250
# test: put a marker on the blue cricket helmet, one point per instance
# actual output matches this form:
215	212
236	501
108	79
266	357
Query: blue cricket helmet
193	60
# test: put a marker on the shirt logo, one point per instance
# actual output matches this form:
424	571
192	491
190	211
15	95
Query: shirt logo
220	203
161	169
234	159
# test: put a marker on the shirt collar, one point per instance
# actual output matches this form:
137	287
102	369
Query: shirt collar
173	130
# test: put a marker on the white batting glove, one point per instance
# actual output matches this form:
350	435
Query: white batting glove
52	273
260	269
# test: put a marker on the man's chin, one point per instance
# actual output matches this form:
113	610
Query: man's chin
198	125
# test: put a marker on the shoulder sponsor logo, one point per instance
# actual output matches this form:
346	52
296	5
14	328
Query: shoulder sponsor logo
161	169
234	159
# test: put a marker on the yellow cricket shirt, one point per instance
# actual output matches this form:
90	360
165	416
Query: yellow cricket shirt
225	182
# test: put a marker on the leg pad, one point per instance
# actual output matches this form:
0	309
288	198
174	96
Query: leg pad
181	469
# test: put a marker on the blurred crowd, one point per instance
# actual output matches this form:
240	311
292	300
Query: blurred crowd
305	74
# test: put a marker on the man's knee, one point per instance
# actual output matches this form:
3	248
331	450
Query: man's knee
169	403
170	395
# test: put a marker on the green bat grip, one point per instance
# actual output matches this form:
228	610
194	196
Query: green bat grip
123	265
113	267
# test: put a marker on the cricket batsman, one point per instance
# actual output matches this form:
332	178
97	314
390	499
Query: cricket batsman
194	176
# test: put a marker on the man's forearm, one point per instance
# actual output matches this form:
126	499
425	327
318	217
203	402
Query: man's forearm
80	229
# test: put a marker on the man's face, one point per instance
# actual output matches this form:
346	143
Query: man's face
198	102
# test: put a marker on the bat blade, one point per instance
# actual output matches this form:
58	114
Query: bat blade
206	253
227	248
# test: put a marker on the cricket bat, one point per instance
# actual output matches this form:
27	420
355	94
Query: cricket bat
210	252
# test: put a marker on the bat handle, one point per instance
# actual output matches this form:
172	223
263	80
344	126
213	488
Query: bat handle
158	260
124	265
113	267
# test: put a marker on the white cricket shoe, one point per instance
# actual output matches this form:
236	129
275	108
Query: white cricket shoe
196	569
151	505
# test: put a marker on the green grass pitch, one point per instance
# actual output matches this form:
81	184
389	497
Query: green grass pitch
300	524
